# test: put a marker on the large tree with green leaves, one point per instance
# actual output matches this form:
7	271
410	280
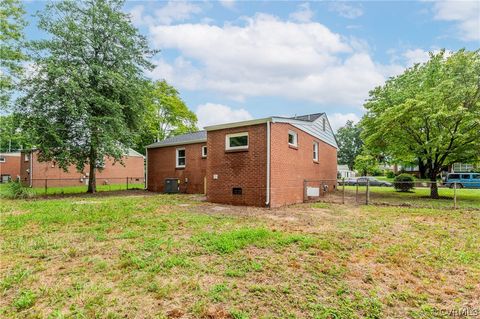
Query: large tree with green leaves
349	144
83	102
430	113
11	55
166	115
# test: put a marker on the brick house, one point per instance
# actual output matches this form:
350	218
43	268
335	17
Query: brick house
34	173
261	162
9	166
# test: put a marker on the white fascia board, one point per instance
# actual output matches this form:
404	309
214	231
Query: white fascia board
237	124
204	140
290	121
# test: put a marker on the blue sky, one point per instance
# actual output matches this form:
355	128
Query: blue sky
236	60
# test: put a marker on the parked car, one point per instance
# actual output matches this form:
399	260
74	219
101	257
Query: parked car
362	181
463	180
372	181
348	181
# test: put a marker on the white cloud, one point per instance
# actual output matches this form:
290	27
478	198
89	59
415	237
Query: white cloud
416	56
346	10
303	14
421	56
270	57
212	114
337	120
227	3
136	14
172	11
465	13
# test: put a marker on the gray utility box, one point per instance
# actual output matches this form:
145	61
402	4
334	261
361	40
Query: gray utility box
172	185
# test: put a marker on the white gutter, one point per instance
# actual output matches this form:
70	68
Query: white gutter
267	202
237	124
203	140
146	168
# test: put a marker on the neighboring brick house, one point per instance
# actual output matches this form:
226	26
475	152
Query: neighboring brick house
260	162
9	166
35	173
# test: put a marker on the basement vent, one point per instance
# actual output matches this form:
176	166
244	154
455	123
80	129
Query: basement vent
237	191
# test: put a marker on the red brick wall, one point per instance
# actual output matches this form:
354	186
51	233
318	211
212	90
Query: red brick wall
113	173
291	166
161	165
245	169
11	166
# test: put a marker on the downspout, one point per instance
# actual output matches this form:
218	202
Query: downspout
146	168
31	169
267	202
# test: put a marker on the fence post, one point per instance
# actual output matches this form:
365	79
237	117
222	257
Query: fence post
343	190
367	197
127	183
356	193
455	195
46	186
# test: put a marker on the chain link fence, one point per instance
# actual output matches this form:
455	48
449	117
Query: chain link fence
53	186
423	194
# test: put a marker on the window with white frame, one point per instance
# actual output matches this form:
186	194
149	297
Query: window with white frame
26	157
180	158
315	151
237	141
204	151
292	138
2	159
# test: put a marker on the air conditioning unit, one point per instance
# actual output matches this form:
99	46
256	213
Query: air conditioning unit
172	186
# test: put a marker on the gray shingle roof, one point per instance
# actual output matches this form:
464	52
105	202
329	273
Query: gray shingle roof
190	138
308	117
133	153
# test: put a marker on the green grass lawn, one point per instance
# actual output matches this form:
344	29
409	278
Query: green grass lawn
157	256
418	197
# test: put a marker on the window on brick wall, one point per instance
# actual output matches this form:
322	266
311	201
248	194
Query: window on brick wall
237	141
2	159
26	157
180	158
315	151
204	151
292	138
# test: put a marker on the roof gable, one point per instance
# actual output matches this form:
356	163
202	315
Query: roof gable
312	124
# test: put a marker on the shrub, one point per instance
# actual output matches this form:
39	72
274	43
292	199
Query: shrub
403	183
390	174
15	190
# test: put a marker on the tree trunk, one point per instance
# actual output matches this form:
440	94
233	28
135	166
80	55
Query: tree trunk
433	186
92	179
422	169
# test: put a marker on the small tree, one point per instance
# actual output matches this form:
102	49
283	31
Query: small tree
365	164
166	115
403	183
12	137
83	102
349	144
